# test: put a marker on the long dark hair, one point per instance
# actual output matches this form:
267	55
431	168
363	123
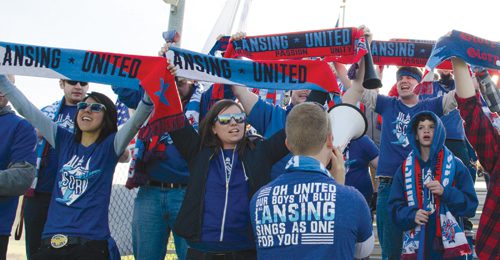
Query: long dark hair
109	121
209	139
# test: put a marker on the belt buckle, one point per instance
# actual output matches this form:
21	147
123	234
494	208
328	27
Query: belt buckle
58	240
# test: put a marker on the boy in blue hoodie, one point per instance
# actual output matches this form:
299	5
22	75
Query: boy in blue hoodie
430	192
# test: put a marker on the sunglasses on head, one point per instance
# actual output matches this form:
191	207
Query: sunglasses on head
74	82
94	107
224	119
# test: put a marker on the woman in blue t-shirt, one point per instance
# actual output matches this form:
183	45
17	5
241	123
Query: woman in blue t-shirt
77	224
226	168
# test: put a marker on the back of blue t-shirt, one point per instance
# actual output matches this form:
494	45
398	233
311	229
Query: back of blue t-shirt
307	215
80	199
394	145
357	161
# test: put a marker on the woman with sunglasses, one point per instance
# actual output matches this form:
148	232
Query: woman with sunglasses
226	169
77	223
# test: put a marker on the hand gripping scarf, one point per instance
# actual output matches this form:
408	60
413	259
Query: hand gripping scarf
448	237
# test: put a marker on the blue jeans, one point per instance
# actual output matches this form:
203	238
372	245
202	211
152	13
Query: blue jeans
389	235
155	211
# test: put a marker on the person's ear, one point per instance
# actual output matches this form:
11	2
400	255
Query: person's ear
61	84
287	145
329	142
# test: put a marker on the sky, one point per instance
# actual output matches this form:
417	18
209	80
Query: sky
135	27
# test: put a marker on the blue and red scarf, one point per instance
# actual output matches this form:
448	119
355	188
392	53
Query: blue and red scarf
272	75
449	237
344	45
130	71
472	49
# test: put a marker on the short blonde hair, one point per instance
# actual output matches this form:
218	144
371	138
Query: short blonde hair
307	128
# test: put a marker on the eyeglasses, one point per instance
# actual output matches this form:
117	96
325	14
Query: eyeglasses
74	82
94	107
225	119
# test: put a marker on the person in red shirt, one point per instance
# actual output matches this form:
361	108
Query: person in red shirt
486	141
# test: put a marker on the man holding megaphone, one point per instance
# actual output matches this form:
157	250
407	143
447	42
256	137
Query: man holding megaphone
335	220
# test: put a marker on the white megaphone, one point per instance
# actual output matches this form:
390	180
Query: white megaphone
348	124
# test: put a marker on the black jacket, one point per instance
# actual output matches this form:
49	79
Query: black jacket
257	162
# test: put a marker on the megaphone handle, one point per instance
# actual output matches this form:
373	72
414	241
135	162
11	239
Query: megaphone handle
329	166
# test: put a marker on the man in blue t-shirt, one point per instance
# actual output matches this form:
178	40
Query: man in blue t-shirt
36	204
17	166
305	213
394	146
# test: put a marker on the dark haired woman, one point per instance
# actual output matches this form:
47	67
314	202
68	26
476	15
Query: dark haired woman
226	170
77	222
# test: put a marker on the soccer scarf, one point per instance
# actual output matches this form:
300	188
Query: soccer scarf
473	50
449	237
404	52
273	97
129	71
344	45
51	111
137	174
272	75
306	164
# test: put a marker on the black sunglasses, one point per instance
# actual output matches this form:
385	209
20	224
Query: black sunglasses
224	119
94	107
74	82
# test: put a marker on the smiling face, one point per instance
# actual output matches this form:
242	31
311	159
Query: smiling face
425	133
89	121
299	96
231	133
406	85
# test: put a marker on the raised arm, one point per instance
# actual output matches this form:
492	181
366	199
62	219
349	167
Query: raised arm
463	80
353	94
247	98
44	125
130	128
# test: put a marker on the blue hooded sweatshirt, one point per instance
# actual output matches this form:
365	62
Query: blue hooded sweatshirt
460	198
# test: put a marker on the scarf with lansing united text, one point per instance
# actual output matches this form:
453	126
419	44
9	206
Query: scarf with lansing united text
130	71
344	45
473	50
272	75
449	237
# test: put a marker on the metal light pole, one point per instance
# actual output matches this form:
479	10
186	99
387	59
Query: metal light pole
176	17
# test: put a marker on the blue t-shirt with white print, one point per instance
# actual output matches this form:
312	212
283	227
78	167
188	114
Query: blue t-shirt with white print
357	160
307	215
80	199
48	169
17	146
394	145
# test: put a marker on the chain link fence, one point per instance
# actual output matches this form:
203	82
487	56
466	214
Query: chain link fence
121	210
